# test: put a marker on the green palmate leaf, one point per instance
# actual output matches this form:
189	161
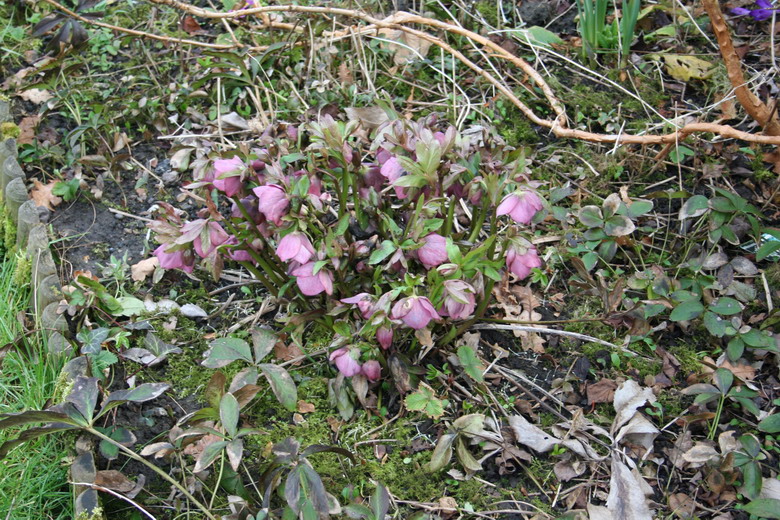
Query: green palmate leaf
228	414
591	216
770	424
130	306
764	508
466	458
715	324
91	340
687	311
263	341
139	394
618	226
735	348
282	385
209	455
35	416
424	400
358	511
471	363
694	207
639	208
380	502
442	453
384	250
224	351
33	433
726	306
723	379
83	396
752	481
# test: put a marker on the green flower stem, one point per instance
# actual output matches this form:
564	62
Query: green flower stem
476	223
275	279
450	217
130	453
276	272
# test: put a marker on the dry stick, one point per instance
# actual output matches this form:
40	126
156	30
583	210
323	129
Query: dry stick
749	101
557	126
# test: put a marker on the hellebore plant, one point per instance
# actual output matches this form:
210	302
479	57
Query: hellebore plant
382	240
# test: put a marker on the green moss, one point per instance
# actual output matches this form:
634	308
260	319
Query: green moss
9	129
489	11
184	371
9	231
23	270
688	356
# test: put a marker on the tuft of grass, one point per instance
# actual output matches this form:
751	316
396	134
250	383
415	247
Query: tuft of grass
34	483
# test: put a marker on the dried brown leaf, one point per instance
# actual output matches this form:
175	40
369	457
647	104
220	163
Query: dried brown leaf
144	268
42	196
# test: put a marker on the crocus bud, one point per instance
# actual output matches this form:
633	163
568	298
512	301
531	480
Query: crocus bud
385	337
372	370
415	312
434	250
521	206
345	361
520	261
295	246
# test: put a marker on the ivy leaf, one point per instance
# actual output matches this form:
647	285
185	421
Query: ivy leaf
471	363
424	400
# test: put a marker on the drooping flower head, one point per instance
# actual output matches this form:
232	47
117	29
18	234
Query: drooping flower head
364	302
346	360
384	336
182	259
764	11
433	251
520	260
227	175
312	284
459	301
216	235
272	202
415	312
295	246
521	205
372	370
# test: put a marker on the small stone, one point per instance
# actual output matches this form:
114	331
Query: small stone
52	320
118	216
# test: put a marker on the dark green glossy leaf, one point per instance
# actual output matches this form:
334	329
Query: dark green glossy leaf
228	414
687	311
770	424
764	508
282	385
726	306
263	341
224	351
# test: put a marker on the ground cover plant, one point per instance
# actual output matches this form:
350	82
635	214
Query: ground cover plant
481	260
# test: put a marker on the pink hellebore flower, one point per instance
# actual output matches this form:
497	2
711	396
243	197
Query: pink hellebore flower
385	337
459	302
521	206
312	284
295	246
230	185
345	362
365	303
372	370
174	260
434	251
272	201
217	237
521	264
415	311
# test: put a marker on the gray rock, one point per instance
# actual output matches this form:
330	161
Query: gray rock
87	505
83	468
51	320
9	171
5	111
47	291
27	218
42	265
59	346
15	196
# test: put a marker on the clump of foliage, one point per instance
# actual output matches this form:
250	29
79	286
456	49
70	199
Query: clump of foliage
379	239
